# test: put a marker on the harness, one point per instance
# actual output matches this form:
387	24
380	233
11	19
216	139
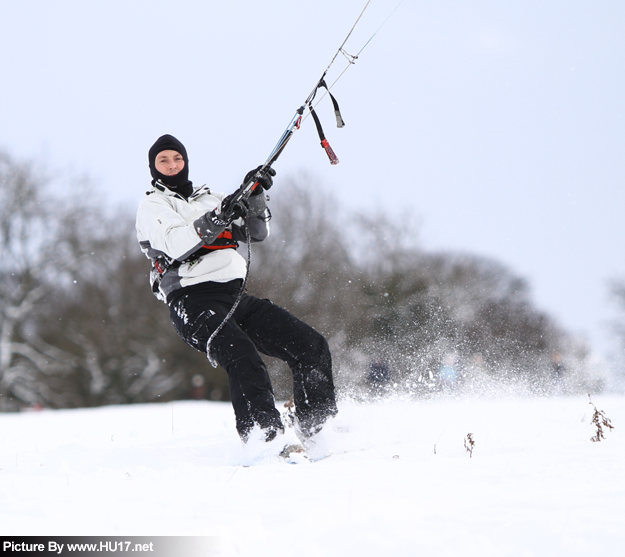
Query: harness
224	241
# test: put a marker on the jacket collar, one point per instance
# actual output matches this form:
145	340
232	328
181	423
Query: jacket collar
158	185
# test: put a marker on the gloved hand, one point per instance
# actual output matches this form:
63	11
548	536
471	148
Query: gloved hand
254	206
265	179
209	226
237	211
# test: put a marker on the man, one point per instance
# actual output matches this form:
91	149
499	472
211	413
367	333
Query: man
198	272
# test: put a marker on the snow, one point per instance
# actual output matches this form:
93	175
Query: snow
399	480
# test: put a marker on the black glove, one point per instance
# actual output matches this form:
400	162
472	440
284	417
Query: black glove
233	212
265	179
209	226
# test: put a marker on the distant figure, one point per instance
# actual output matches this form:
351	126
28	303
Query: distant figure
447	372
198	387
557	365
379	373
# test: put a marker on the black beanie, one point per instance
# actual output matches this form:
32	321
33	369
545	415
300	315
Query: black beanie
178	182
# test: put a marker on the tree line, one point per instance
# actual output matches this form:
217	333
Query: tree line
79	325
617	291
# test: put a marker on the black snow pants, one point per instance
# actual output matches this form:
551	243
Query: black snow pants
258	325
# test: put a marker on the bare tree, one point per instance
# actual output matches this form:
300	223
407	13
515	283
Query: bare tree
305	265
126	349
40	251
618	293
366	283
79	325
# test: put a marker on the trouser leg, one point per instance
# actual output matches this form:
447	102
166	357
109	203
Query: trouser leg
251	392
277	333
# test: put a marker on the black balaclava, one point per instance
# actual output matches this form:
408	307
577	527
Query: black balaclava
178	182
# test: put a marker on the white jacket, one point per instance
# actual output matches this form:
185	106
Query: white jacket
165	227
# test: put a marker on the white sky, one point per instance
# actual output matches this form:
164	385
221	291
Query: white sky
499	124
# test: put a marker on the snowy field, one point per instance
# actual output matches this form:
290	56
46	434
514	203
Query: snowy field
399	480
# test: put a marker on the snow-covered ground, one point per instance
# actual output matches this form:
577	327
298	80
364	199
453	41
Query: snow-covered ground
399	481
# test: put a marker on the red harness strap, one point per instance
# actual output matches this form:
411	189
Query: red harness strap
223	241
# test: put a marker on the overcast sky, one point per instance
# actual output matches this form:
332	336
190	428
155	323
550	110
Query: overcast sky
499	124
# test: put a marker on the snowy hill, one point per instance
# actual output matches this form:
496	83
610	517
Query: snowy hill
399	482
